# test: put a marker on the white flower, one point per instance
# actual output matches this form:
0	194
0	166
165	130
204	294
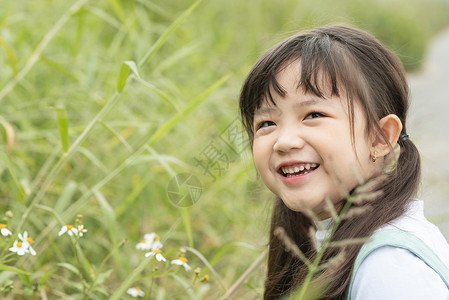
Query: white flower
158	254
70	229
81	229
182	261
24	245
135	292
19	247
27	241
5	231
150	241
150	236
143	245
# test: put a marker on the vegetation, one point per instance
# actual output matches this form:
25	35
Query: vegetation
104	102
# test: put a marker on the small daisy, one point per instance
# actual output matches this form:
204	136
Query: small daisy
70	229
157	243
158	254
150	241
144	245
19	248
205	278
27	241
81	230
181	261
5	231
135	292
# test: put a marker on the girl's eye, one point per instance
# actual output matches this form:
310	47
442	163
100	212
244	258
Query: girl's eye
314	115
265	124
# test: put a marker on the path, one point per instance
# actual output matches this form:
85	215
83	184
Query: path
428	127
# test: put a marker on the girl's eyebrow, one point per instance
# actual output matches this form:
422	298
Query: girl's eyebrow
265	110
312	101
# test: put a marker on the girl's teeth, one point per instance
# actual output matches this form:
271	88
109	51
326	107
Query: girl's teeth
290	171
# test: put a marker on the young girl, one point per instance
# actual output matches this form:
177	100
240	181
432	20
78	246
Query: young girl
325	110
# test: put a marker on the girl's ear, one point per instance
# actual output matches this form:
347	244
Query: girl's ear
391	126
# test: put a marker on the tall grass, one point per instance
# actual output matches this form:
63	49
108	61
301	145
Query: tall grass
103	102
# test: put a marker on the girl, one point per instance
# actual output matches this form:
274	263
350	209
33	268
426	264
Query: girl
324	111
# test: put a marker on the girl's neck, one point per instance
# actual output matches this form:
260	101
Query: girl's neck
323	230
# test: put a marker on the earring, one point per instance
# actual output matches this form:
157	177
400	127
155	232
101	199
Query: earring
374	156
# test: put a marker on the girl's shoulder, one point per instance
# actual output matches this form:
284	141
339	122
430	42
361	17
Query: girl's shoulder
395	273
391	271
413	221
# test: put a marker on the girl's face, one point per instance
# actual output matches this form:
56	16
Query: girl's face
302	146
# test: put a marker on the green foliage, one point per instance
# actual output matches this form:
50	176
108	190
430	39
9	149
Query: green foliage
104	102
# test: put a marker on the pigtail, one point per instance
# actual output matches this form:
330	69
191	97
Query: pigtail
408	170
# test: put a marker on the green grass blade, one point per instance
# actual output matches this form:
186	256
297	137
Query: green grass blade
109	215
158	92
117	135
208	265
40	48
70	268
10	168
126	67
167	33
162	131
9	54
63	124
118	9
130	279
187	224
87	153
65	197
13	269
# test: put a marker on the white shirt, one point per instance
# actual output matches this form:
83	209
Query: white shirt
395	273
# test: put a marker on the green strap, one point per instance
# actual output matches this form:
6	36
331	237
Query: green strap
405	240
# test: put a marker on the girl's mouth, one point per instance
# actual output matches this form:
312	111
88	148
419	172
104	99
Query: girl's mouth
297	169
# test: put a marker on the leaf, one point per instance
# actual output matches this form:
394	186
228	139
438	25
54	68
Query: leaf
70	267
109	215
189	108
9	54
127	66
63	124
13	269
13	175
103	276
65	196
95	161
117	135
9	134
167	33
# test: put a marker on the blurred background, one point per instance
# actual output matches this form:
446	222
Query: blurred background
164	151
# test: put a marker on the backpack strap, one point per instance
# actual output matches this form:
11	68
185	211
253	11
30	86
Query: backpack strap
405	240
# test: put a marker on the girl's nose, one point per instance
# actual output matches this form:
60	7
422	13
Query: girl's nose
288	140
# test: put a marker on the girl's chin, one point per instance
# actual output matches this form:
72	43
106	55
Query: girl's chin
304	205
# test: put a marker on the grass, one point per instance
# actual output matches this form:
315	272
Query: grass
103	102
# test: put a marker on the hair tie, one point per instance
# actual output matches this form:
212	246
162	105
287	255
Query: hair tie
403	137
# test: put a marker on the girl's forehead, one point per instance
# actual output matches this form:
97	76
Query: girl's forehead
298	102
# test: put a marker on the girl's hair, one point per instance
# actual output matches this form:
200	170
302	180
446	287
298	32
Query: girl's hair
354	64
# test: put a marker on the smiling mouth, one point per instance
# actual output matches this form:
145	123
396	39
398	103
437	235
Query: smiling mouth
297	169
